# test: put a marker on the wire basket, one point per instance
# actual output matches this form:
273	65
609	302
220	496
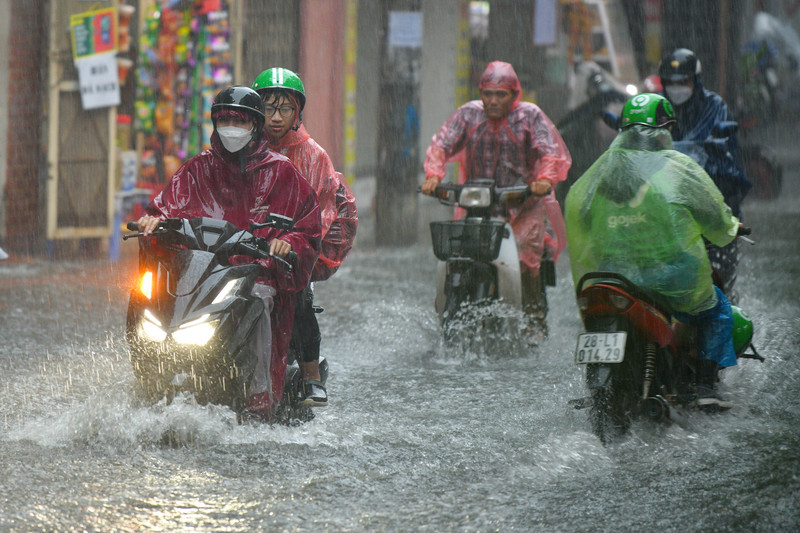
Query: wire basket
475	239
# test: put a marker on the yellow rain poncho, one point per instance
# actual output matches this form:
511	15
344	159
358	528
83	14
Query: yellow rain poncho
642	211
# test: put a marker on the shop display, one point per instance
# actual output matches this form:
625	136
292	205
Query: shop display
184	60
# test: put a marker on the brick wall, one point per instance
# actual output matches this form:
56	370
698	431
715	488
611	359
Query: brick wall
26	90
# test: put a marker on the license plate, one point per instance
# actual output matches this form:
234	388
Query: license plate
600	348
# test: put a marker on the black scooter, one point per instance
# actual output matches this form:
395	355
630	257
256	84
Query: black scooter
192	315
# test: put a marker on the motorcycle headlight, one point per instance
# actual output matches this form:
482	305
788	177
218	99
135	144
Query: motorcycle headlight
197	332
475	197
151	328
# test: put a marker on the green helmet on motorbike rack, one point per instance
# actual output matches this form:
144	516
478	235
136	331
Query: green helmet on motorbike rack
647	109
742	330
281	78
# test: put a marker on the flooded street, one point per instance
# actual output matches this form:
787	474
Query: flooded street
414	439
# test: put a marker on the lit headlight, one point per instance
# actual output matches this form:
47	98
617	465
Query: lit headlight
151	327
475	197
197	332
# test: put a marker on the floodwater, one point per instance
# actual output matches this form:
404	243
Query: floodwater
414	439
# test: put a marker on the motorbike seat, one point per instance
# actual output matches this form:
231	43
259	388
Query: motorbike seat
617	280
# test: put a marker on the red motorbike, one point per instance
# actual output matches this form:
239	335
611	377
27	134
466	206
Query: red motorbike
639	360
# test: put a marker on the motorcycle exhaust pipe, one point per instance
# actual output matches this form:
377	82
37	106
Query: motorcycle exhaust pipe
657	408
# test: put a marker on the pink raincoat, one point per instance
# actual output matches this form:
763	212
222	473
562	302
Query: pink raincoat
522	147
212	184
337	204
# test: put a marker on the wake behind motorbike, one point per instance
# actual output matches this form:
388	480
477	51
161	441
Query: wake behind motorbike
479	264
638	360
191	318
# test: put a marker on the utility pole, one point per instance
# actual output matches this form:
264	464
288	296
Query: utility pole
398	124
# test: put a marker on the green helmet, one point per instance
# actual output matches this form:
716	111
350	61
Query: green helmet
742	330
281	78
648	109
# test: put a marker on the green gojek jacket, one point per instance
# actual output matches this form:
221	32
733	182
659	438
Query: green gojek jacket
642	210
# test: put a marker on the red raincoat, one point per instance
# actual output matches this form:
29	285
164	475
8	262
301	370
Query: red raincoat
522	147
212	184
337	204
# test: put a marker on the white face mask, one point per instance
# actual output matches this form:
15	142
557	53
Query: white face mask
233	138
679	94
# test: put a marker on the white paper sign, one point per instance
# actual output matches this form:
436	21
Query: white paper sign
545	23
405	29
98	80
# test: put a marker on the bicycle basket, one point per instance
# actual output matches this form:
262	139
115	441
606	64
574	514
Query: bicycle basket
479	240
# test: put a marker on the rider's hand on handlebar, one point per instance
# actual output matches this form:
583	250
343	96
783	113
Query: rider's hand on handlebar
147	224
429	184
541	187
279	248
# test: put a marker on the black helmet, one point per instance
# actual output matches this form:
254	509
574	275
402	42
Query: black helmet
240	98
680	65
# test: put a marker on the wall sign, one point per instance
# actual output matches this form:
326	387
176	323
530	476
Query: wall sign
94	46
93	32
98	79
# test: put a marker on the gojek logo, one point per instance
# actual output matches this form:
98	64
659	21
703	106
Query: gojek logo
626	220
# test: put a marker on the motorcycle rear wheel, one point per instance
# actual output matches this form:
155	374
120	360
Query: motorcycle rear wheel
610	410
608	421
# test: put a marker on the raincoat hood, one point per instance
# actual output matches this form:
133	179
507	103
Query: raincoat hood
501	75
642	210
294	137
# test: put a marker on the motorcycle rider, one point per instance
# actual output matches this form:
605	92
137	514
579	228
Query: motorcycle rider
697	111
511	142
642	211
241	181
284	98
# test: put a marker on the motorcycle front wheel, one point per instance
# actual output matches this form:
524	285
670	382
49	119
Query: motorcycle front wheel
462	309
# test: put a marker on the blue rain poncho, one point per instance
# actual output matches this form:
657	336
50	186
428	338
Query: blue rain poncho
642	210
721	158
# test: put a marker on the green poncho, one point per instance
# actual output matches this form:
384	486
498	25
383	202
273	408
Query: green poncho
641	210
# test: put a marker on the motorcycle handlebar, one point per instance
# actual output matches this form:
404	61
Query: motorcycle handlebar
288	261
501	195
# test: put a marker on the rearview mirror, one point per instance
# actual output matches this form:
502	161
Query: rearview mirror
724	129
611	120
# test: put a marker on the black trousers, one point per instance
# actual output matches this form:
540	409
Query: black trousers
306	337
